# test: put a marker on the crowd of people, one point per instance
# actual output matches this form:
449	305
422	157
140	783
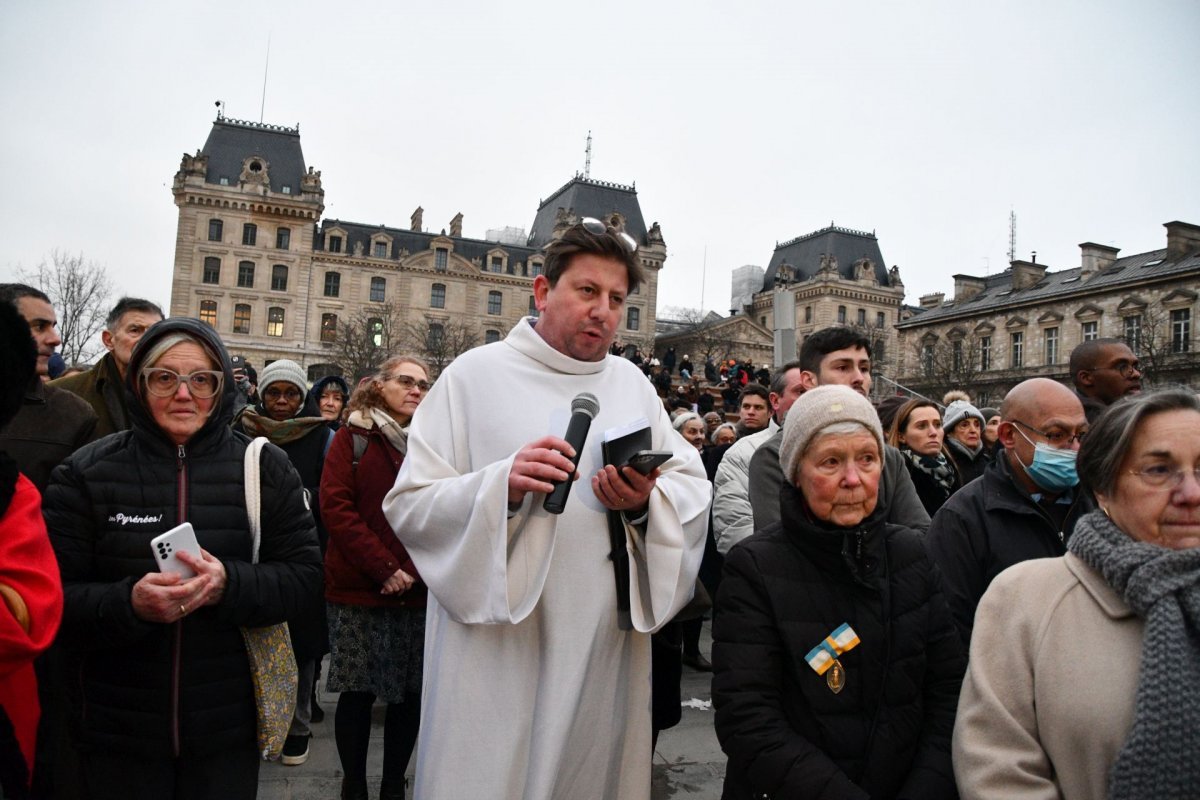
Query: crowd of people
913	598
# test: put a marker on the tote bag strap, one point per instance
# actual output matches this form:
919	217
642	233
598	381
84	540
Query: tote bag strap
254	493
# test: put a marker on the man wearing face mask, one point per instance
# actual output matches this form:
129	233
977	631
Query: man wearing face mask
1025	504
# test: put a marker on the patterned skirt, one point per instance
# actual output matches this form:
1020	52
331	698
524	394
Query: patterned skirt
376	650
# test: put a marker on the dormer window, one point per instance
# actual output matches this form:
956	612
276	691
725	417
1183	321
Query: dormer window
285	189
379	250
334	244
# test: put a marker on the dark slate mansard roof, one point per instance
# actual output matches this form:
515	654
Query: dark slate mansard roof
232	141
1065	285
589	198
803	254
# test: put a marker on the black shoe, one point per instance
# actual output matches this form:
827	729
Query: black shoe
354	790
393	790
295	750
317	714
696	661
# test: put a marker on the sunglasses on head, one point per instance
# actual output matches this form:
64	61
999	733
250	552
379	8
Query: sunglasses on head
595	226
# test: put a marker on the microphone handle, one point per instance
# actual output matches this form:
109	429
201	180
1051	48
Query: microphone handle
577	431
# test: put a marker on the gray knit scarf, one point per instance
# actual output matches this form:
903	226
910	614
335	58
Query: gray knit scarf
1162	586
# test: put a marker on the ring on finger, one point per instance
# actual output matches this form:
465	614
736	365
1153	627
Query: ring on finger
182	610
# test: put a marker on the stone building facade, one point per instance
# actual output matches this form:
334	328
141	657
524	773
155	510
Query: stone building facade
835	276
255	259
999	330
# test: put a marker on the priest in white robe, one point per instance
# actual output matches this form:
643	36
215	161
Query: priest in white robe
531	690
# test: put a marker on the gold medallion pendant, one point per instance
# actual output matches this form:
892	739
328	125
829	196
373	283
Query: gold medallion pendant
835	677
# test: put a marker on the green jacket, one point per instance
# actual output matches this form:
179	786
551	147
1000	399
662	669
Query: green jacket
100	387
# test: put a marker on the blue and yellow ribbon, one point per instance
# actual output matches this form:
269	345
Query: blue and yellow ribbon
842	640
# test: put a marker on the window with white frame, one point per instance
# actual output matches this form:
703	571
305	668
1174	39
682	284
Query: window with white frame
1050	338
1090	331
1181	330
275	321
1017	357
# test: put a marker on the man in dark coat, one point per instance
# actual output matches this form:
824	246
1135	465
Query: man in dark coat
1024	506
102	387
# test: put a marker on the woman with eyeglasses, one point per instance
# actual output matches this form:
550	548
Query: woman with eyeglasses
1084	677
288	415
165	701
375	597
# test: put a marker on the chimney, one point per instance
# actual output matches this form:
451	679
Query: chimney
967	286
417	217
1026	274
932	300
456	226
1183	239
1095	258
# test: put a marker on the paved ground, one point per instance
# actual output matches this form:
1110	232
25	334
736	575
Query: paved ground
688	763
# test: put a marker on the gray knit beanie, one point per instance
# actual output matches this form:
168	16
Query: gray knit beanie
816	410
959	410
283	371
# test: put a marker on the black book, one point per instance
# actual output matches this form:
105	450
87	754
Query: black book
617	446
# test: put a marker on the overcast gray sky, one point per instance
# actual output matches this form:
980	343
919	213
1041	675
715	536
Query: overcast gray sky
741	124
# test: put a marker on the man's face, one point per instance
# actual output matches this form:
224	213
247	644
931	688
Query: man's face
792	389
1054	415
1115	375
850	366
125	334
753	413
579	315
711	420
43	326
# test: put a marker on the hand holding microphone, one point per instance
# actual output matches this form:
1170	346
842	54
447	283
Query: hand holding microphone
584	409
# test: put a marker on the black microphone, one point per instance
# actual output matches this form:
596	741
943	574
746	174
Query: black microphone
584	408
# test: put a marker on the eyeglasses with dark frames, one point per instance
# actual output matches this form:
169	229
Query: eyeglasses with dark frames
1163	475
407	384
1125	368
291	393
1054	438
163	382
593	225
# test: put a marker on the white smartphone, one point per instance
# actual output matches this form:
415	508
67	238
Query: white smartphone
166	545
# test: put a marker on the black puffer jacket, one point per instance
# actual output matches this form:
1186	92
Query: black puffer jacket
159	690
887	734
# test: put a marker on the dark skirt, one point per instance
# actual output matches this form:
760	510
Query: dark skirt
376	650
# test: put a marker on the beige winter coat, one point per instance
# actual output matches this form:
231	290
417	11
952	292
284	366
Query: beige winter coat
1048	698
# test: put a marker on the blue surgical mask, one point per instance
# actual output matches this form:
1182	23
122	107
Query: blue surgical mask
1052	469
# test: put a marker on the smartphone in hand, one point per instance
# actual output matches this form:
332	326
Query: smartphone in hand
645	461
167	545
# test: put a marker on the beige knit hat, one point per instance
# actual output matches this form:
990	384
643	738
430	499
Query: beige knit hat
816	410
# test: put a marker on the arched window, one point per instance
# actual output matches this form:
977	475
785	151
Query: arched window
279	278
241	318
329	327
494	302
274	321
212	270
208	312
246	274
437	296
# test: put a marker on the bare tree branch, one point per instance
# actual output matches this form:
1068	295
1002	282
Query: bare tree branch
79	291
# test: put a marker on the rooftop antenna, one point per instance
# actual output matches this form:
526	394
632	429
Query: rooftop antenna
1012	236
266	66
587	162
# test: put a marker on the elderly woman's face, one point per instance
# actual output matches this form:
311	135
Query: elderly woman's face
282	400
725	436
181	414
968	431
693	431
1169	514
839	477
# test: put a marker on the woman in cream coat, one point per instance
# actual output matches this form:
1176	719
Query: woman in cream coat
1083	680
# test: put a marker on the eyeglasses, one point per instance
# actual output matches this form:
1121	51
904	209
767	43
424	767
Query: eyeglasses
1160	475
163	382
1125	368
273	394
406	383
1054	438
593	225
